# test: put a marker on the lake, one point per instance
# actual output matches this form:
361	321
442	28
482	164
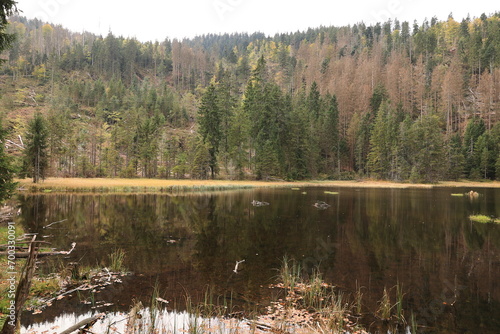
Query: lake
366	240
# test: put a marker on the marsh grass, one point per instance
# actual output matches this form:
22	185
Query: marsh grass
399	303
331	192
484	219
289	273
385	306
116	260
310	305
138	185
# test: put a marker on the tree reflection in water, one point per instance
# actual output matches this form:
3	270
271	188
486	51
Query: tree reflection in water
371	238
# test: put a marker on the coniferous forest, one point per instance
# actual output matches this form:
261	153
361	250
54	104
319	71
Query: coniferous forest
397	101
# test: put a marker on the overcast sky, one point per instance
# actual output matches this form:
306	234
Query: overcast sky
159	19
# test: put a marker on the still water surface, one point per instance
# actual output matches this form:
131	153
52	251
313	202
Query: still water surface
368	239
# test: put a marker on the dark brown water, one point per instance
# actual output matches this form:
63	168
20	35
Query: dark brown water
421	239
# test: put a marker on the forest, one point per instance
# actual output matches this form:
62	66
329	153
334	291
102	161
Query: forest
398	101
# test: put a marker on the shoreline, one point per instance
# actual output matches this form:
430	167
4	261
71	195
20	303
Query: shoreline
117	185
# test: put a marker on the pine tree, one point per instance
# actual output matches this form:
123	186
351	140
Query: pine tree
35	152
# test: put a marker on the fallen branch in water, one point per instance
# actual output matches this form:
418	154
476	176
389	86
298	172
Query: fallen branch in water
41	254
236	266
85	323
57	222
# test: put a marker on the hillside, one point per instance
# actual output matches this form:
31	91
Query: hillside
394	101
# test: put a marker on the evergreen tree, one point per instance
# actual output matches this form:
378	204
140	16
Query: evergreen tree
7	8
331	136
7	185
226	103
210	125
475	128
455	158
379	95
35	153
382	142
314	101
427	155
362	143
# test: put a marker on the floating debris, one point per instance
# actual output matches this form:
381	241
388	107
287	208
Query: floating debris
259	203
332	192
472	194
295	188
236	266
321	205
457	195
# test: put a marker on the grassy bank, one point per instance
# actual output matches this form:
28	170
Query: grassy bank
159	185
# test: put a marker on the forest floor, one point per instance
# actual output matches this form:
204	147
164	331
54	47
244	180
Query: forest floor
162	185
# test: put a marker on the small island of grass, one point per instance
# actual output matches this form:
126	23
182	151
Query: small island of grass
484	219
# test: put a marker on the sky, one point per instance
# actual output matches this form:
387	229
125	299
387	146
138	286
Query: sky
150	20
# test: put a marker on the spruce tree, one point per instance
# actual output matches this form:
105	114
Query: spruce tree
7	184
7	8
35	152
210	125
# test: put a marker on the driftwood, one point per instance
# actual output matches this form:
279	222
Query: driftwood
85	323
57	222
237	264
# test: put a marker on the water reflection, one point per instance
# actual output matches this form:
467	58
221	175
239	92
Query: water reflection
369	238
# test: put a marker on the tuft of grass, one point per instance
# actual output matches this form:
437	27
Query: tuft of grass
289	273
399	303
116	260
385	306
483	219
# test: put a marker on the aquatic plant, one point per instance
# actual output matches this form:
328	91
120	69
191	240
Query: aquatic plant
289	272
484	219
116	260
